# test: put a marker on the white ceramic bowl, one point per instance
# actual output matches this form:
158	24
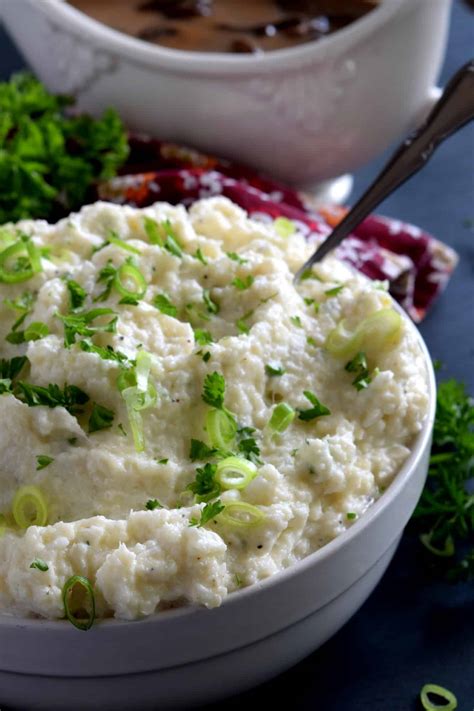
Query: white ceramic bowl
183	657
302	115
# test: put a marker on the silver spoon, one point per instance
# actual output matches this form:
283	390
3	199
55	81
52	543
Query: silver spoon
454	109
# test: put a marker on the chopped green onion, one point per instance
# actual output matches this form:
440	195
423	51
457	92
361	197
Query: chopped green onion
39	564
236	258
221	428
282	417
27	264
163	304
235	473
79	602
100	419
128	275
200	256
162	235
243	284
42	461
242	514
358	365
77	294
318	409
142	370
113	238
273	369
335	290
211	306
450	701
284	227
379	331
29	507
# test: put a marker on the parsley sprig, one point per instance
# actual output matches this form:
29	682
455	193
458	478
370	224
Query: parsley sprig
50	161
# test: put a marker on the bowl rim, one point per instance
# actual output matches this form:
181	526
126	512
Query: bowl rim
217	63
419	446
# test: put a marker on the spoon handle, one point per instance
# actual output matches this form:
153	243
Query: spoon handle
453	110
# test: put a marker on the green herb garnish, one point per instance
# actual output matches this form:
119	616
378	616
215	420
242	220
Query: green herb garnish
205	487
80	324
100	418
273	369
236	258
243	284
318	409
153	504
358	366
214	390
77	294
335	290
39	564
444	516
211	306
202	337
49	162
70	397
209	512
42	461
163	304
200	451
200	256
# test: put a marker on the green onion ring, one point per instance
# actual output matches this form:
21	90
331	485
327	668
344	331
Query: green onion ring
10	276
282	417
445	694
77	613
128	272
235	473
25	499
242	515
221	429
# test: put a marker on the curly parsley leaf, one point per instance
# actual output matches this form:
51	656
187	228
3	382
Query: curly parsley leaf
50	162
205	487
70	397
209	512
200	451
318	409
214	390
77	294
79	324
153	504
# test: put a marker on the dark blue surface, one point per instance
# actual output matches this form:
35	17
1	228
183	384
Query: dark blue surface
411	631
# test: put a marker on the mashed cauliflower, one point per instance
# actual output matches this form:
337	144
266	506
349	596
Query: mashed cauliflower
219	299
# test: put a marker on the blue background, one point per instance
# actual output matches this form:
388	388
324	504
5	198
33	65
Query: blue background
412	630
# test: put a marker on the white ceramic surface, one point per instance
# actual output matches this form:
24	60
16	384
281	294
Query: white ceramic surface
187	656
303	115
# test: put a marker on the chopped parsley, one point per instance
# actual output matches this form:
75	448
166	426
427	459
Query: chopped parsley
153	504
202	337
105	352
10	369
351	516
162	461
34	332
200	450
358	366
39	564
100	418
214	390
247	444
77	294
70	397
209	512
236	258
42	461
79	324
335	290
205	487
206	356
296	320
242	326
163	304
106	276
50	161
23	305
311	341
273	369
318	409
243	284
